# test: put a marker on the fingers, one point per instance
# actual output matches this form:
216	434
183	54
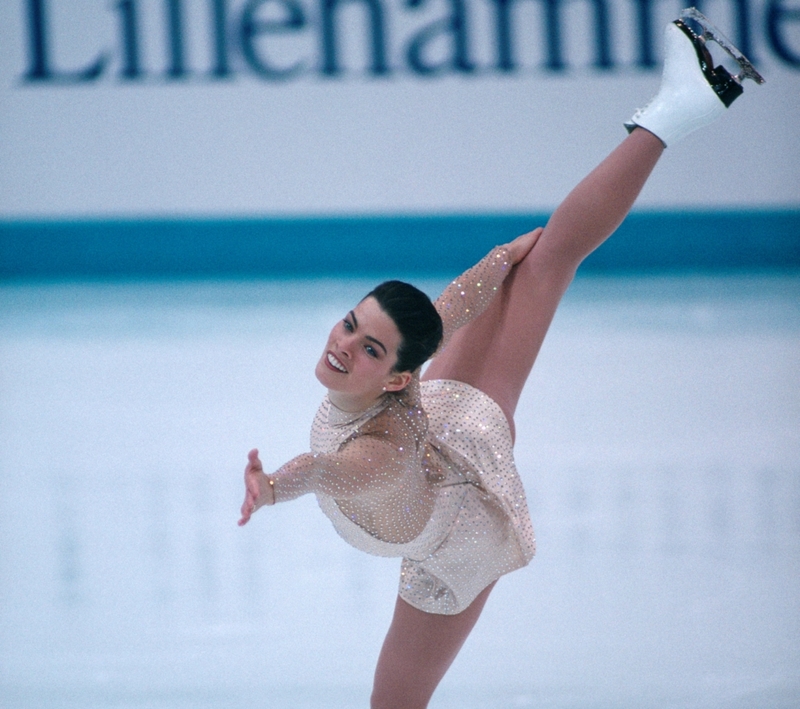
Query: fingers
252	490
249	506
522	245
531	238
253	462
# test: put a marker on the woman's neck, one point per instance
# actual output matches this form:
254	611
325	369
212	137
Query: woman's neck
352	404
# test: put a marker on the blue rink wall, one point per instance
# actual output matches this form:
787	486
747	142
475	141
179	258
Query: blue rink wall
167	248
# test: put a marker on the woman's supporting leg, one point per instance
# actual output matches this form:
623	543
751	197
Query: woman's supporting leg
417	651
496	351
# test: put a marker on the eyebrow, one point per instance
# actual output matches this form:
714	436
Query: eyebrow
368	337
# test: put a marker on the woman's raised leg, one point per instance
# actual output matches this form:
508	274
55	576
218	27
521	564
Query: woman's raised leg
496	351
417	651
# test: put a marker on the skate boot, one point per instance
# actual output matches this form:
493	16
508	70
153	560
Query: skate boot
693	93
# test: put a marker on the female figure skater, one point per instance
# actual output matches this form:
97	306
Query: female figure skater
424	470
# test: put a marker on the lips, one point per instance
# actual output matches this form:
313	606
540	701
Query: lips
334	363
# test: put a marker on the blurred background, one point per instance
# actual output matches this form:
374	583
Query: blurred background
193	191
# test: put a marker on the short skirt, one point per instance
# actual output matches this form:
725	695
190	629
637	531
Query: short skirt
480	528
491	533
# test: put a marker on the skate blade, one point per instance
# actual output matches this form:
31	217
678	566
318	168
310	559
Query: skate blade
710	32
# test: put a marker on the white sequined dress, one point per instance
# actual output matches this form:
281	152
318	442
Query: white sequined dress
427	475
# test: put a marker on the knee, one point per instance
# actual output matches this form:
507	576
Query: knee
551	257
395	697
402	688
547	267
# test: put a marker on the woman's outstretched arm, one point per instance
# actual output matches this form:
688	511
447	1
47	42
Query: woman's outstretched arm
367	464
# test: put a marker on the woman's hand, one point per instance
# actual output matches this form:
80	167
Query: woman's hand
256	487
521	246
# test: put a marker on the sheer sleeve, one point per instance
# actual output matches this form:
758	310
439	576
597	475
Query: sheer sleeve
364	465
469	294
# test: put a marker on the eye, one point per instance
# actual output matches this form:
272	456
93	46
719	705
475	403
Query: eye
347	325
371	351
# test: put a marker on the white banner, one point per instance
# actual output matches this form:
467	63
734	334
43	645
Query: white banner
310	107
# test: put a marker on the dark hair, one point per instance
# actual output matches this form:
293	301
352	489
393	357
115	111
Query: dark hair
417	320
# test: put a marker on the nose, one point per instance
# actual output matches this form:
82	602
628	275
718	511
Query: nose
346	343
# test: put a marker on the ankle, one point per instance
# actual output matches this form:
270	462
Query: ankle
693	92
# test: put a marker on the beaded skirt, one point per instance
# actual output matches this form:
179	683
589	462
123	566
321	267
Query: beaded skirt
479	528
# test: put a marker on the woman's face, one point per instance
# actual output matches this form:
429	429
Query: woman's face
359	357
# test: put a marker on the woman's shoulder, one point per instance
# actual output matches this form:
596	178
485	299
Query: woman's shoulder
402	421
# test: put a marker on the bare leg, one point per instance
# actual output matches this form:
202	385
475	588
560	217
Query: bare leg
496	351
418	650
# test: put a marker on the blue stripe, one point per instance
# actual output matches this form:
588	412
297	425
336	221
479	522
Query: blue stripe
161	248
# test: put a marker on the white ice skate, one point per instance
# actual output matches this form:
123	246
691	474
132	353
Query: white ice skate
693	92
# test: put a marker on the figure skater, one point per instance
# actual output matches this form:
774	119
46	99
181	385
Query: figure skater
422	467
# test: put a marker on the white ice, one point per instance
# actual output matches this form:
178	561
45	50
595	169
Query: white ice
659	441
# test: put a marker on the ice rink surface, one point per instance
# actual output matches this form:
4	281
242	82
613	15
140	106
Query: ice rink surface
658	439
